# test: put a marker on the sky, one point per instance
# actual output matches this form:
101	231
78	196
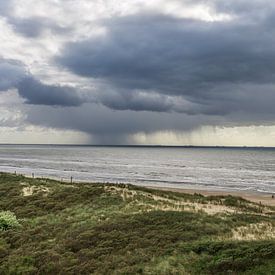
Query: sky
138	72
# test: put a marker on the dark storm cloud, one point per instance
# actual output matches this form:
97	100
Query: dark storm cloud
195	60
104	122
13	75
137	101
38	93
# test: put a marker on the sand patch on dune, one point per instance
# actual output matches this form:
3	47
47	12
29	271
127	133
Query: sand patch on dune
168	204
210	209
29	190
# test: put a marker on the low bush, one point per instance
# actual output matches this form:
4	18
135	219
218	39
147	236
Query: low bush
8	220
218	257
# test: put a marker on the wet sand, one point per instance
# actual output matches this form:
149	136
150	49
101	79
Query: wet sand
264	198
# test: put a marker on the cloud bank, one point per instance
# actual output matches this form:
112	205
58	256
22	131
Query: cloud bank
210	67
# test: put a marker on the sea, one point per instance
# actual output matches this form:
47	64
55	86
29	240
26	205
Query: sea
202	168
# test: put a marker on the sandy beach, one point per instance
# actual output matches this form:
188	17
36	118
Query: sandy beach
264	198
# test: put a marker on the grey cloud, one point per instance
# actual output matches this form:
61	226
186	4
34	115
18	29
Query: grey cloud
11	73
31	27
103	122
144	100
255	8
34	26
38	93
116	127
243	7
157	72
203	63
5	7
137	101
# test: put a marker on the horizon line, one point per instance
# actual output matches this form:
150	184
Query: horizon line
139	145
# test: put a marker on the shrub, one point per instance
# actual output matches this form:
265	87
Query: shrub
8	220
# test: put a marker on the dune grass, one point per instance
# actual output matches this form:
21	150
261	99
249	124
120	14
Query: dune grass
88	228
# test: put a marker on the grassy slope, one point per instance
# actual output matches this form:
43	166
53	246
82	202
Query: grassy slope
122	229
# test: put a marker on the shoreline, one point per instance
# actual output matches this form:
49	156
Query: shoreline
263	198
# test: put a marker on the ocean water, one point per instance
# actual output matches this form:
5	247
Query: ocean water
197	168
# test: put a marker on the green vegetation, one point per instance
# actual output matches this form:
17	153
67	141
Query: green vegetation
8	220
86	228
